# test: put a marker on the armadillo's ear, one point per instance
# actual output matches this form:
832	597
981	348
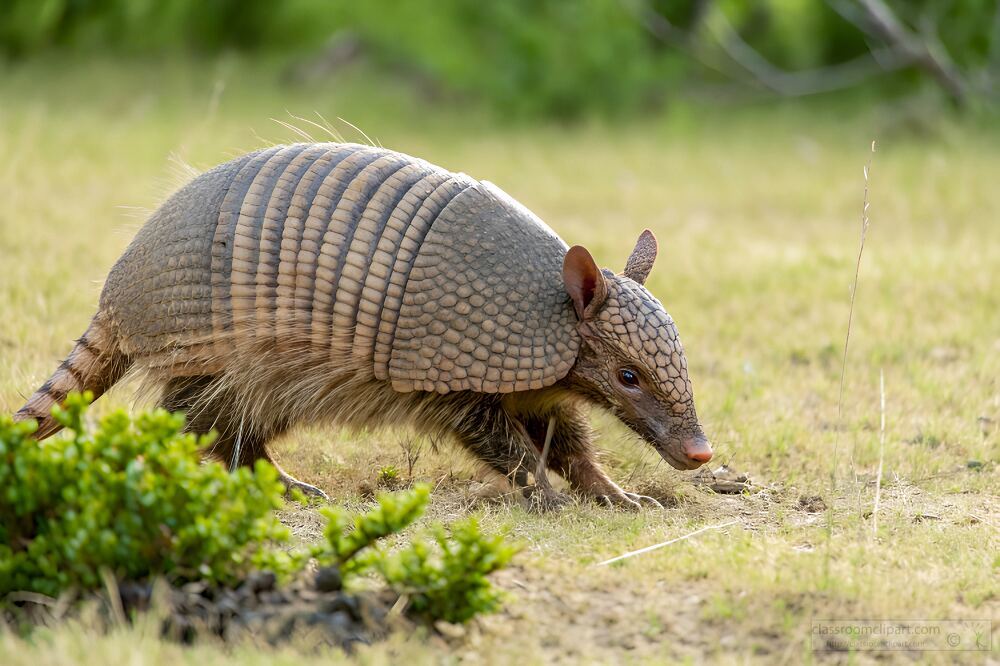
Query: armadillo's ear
640	262
584	282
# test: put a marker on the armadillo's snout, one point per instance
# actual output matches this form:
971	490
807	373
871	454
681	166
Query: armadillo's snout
697	450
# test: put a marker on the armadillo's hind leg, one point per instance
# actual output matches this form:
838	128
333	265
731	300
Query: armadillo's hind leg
237	443
247	447
94	365
293	484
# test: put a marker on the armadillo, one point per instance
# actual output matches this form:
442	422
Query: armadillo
358	286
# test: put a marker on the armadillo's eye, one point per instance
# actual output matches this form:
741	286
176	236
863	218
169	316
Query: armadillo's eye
628	377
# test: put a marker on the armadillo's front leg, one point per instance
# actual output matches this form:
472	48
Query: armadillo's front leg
573	456
586	476
502	443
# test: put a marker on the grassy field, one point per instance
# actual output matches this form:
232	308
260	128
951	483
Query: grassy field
758	216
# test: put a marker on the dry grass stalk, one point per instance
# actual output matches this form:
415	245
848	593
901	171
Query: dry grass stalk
881	453
865	222
666	543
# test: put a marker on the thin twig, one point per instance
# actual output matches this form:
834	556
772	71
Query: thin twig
543	459
881	453
745	65
808	82
876	19
666	543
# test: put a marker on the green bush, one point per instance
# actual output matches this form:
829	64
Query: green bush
388	477
132	498
450	584
345	536
445	578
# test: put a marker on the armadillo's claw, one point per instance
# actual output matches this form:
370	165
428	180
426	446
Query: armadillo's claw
619	501
644	499
630	501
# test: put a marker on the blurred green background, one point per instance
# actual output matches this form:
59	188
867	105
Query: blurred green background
553	59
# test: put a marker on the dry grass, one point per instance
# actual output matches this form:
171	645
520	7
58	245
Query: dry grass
756	215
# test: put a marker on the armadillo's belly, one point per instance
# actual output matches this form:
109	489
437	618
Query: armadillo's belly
355	255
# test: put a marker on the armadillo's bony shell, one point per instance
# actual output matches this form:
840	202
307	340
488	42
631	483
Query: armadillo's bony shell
431	280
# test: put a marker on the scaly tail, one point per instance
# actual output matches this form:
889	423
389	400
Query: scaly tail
95	364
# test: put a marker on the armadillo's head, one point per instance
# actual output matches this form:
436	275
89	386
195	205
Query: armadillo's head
631	360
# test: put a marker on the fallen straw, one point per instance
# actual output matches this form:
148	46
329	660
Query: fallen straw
666	543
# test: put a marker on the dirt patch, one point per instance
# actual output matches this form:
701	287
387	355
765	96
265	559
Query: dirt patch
313	610
594	621
812	504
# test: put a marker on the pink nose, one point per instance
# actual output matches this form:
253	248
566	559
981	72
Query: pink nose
698	449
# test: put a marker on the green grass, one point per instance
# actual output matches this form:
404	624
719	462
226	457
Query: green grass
758	216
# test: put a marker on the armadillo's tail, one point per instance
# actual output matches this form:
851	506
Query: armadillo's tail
95	364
